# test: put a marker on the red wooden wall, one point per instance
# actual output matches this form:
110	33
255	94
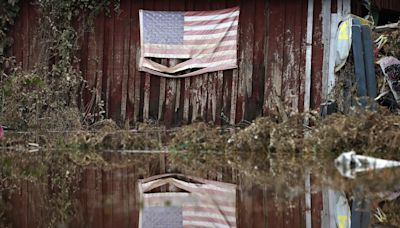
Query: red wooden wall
388	4
271	62
107	197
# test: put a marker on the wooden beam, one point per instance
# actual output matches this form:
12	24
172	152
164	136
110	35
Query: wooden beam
309	37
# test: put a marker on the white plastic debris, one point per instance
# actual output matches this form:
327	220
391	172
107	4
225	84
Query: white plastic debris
349	164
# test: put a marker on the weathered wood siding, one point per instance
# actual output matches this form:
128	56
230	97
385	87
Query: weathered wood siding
107	197
271	63
388	5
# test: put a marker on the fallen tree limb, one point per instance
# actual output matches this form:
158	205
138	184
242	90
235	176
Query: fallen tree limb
383	28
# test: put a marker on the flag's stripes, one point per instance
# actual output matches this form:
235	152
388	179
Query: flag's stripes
192	187
200	71
188	223
209	15
211	27
212	208
209	62
189	46
200	57
211	22
226	201
216	31
207	35
187	213
215	40
153	51
208	218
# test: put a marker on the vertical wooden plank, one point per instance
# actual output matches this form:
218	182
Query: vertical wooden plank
330	80
170	102
17	45
99	40
234	90
89	191
273	82
25	35
178	100
90	75
227	96
317	50
316	206
194	94
254	104
291	50
209	89
35	203
108	57
132	65
326	40
107	189
83	187
296	213
117	212
146	106
246	45
170	98
83	36
204	96
308	199
124	198
218	106
98	198
297	54
186	101
212	101
162	95
302	72
274	214
34	38
138	76
120	23
132	197
126	58
258	216
24	203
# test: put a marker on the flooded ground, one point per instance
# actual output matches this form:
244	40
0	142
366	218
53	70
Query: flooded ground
71	178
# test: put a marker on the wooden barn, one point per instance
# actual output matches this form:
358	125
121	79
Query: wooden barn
284	52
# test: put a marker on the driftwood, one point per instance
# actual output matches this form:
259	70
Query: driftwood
383	28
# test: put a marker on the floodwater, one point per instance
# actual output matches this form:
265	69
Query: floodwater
270	176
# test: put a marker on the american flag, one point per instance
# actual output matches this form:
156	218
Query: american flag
205	40
206	204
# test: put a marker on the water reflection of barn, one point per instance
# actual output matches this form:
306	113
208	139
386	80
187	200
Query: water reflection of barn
276	58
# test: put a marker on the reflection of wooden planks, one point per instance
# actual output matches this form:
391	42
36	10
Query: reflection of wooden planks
107	197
